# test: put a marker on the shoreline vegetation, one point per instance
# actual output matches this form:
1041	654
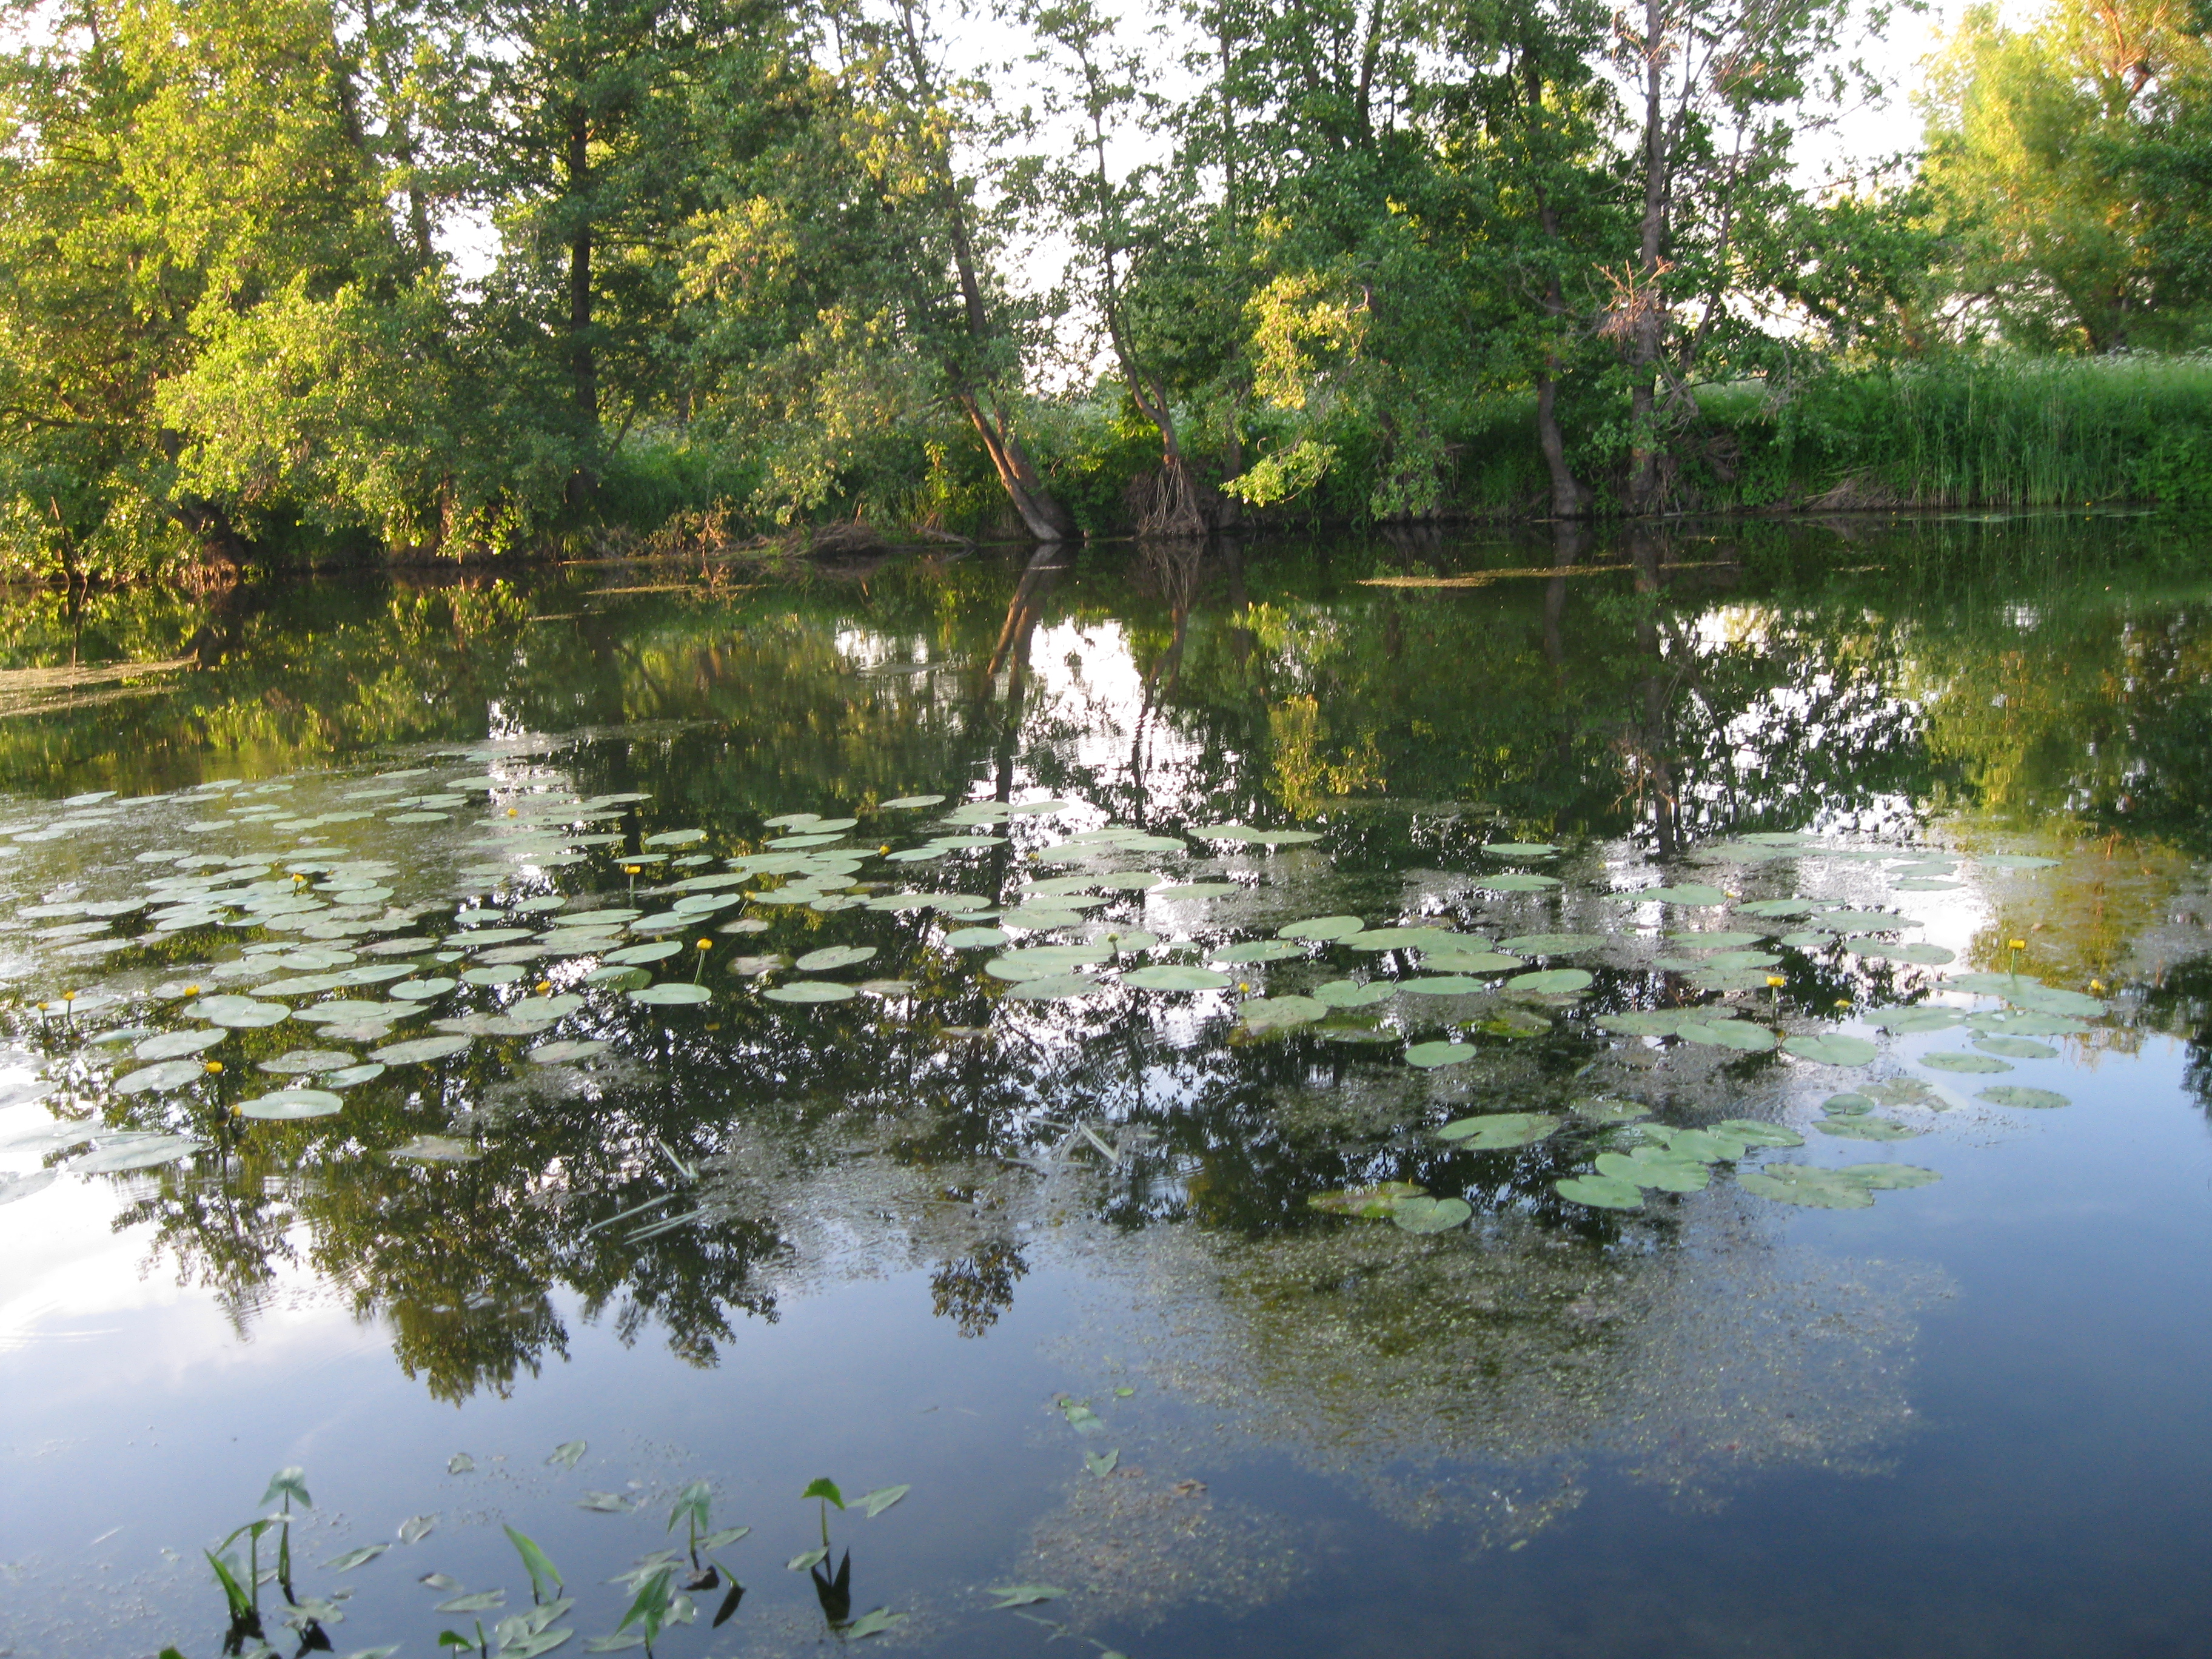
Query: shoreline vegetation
780	275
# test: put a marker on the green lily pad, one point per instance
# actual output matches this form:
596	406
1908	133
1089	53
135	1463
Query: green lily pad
1831	1048
306	1062
1516	882
1040	961
1950	1061
1752	1131
136	1152
1431	1215
1780	907
1807	1185
1602	1109
161	1076
2015	1048
1890	1177
1716	940
1441	985
1404	938
1321	927
1640	1024
1739	1034
1695	894
1428	1056
1347	994
904	801
1866	1128
1902	1020
1499	1131
671	993
1471	961
2006	1022
1600	1192
509	975
1654	1166
284	1104
351	1075
1057	987
174	1045
810	990
423	990
1259	950
1551	945
2013	1094
559	1053
977	939
1552	981
239	1013
1175	977
1268	1013
419	1050
1521	849
835	956
435	1149
633	955
1848	1104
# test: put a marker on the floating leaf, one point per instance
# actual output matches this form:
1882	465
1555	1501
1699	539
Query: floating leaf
1500	1130
2014	861
1739	1034
905	801
835	956
243	1013
976	938
421	990
1902	1020
1600	1192
1431	1215
165	1075
352	1558
632	956
1781	907
874	1623
1552	981
284	1104
1260	951
1752	1132
1055	988
1175	977
1804	1184
1516	882
1952	1061
146	1152
1338	993
810	990
672	993
568	1454
1889	1178
1551	945
556	1054
1022	1595
460	1463
1866	1128
2011	1094
1428	1056
437	1148
1600	1109
1081	1418
419	1050
2014	1022
1520	849
1693	893
1102	1464
1848	1105
173	1045
1831	1048
873	1504
482	1602
2015	1048
1321	927
1471	961
13	1187
1640	1024
605	1503
1654	1166
415	1529
1270	1013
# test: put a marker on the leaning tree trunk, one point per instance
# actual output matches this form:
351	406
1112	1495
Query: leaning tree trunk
1045	517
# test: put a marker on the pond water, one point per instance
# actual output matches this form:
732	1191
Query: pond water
1504	1094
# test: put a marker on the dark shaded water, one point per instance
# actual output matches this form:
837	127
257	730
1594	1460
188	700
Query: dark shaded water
1041	1248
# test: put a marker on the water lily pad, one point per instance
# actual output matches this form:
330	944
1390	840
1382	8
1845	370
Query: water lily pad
1514	881
672	993
1267	1013
1038	961
1715	940
2013	1094
174	1045
1600	1192
351	1075
1738	1034
423	990
1500	1130
1752	1131
2014	861
1428	1056
283	1104
1655	1167
1866	1128
906	801
1640	1023
1807	1185
1520	849
1431	1215
1198	890
835	956
161	1077
1951	1060
1695	893
304	1062
977	939
675	838
1551	945
433	1149
1266	949
1902	1020
1606	1109
1055	988
135	1153
1831	1047
15	1187
1321	927
1471	961
559	1054
1174	977
1848	1104
1552	981
240	1013
1890	1177
2015	1048
1441	985
1347	994
632	956
810	990
419	1050
1778	907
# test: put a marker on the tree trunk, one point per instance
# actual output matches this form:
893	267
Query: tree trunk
581	368
1649	318
1017	475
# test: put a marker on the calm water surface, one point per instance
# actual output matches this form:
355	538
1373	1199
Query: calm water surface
528	1166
